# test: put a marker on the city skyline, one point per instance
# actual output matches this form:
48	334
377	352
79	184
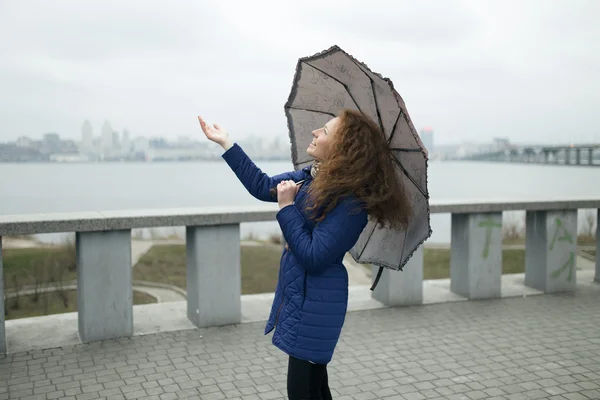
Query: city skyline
110	145
472	70
96	131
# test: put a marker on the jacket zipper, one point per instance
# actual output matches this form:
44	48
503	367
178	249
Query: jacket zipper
278	311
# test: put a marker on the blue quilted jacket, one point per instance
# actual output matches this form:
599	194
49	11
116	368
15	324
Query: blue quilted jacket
311	297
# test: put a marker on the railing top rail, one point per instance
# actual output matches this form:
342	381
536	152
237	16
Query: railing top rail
25	224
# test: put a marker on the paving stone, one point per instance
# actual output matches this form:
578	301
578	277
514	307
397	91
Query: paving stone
518	348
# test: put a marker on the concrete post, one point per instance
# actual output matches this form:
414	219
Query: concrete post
568	156
2	322
551	250
578	156
597	276
104	291
401	288
476	255
214	283
591	156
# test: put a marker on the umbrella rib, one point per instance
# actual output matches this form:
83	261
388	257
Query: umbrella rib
403	248
302	162
405	149
338	81
309	110
374	94
410	177
395	125
368	239
377	106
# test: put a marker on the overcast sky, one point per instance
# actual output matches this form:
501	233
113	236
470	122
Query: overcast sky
472	70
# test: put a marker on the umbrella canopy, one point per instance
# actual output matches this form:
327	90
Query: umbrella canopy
332	80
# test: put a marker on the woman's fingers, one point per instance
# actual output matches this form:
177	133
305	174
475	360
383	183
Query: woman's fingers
203	124
287	185
207	129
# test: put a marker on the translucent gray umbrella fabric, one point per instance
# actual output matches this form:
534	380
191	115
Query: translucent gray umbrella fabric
332	80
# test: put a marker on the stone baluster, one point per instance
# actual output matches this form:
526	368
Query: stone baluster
213	275
551	250
476	255
401	288
597	275
2	322
105	293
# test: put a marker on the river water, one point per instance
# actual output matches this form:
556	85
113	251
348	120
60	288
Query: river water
54	187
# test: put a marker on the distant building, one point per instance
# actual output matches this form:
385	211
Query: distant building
427	138
50	143
51	137
184	141
501	144
87	137
14	153
141	145
125	142
107	137
68	158
158	143
24	141
116	143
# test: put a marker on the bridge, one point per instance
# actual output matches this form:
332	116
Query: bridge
571	154
478	334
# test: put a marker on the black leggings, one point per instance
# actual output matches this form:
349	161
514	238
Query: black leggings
307	381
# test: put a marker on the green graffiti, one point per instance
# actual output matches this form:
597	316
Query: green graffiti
561	234
489	224
566	237
570	265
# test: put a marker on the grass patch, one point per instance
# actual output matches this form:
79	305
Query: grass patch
591	252
36	266
260	265
582	240
586	240
33	268
167	264
436	262
260	268
162	263
49	303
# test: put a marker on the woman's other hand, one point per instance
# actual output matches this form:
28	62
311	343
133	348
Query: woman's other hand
216	134
286	193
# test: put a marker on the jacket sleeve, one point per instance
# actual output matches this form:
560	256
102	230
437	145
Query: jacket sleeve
329	240
254	180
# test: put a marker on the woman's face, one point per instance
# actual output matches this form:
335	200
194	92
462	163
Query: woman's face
322	139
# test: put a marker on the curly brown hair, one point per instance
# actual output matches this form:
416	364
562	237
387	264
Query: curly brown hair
361	164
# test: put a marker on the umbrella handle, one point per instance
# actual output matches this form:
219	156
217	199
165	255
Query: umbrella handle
273	191
377	278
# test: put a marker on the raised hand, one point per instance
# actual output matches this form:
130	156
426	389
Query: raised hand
215	134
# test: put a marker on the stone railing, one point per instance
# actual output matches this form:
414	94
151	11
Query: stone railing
104	276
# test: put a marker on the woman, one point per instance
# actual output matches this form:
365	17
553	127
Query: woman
353	176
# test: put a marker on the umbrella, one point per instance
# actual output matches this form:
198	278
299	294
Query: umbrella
332	80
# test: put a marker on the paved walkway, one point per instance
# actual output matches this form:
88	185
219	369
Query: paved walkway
534	347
